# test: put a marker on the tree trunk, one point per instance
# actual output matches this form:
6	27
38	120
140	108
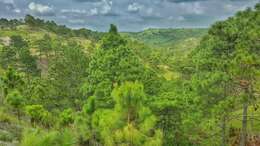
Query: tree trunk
252	120
2	97
244	125
223	128
18	114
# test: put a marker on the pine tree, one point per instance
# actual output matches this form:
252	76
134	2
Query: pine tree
131	121
227	65
113	63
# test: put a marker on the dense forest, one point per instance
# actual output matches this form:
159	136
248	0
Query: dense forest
159	87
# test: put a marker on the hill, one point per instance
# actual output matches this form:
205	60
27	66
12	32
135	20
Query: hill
33	34
168	44
166	37
163	48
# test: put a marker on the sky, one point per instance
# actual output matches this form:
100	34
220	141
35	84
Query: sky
128	15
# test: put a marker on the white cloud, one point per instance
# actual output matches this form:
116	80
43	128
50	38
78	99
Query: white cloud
110	2
40	9
106	7
93	11
232	8
229	7
192	8
180	18
134	7
7	1
63	17
102	8
17	10
10	6
73	11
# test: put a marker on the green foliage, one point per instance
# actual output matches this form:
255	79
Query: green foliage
30	20
8	56
18	56
131	121
113	29
226	66
18	42
6	137
165	38
12	24
90	105
7	118
66	117
39	115
227	56
66	73
15	99
129	99
11	80
42	138
45	46
112	64
38	90
60	29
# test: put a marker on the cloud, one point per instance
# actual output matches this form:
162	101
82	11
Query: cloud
127	14
134	7
178	18
192	8
7	1
76	21
150	14
17	10
103	8
9	5
183	1
73	11
106	7
93	12
231	8
90	1
40	9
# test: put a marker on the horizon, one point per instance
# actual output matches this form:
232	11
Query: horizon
128	15
145	29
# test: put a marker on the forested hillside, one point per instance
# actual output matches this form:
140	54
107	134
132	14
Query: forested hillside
163	38
160	87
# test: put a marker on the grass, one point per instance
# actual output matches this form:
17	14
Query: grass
6	117
253	120
38	137
6	136
33	34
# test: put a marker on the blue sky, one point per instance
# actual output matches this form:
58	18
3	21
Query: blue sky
128	15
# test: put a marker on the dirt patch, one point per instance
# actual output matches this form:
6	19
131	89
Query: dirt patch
5	40
252	140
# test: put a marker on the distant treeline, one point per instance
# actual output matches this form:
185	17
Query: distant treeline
50	26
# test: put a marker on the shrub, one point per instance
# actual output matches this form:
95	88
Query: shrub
43	138
66	117
38	115
16	100
5	136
